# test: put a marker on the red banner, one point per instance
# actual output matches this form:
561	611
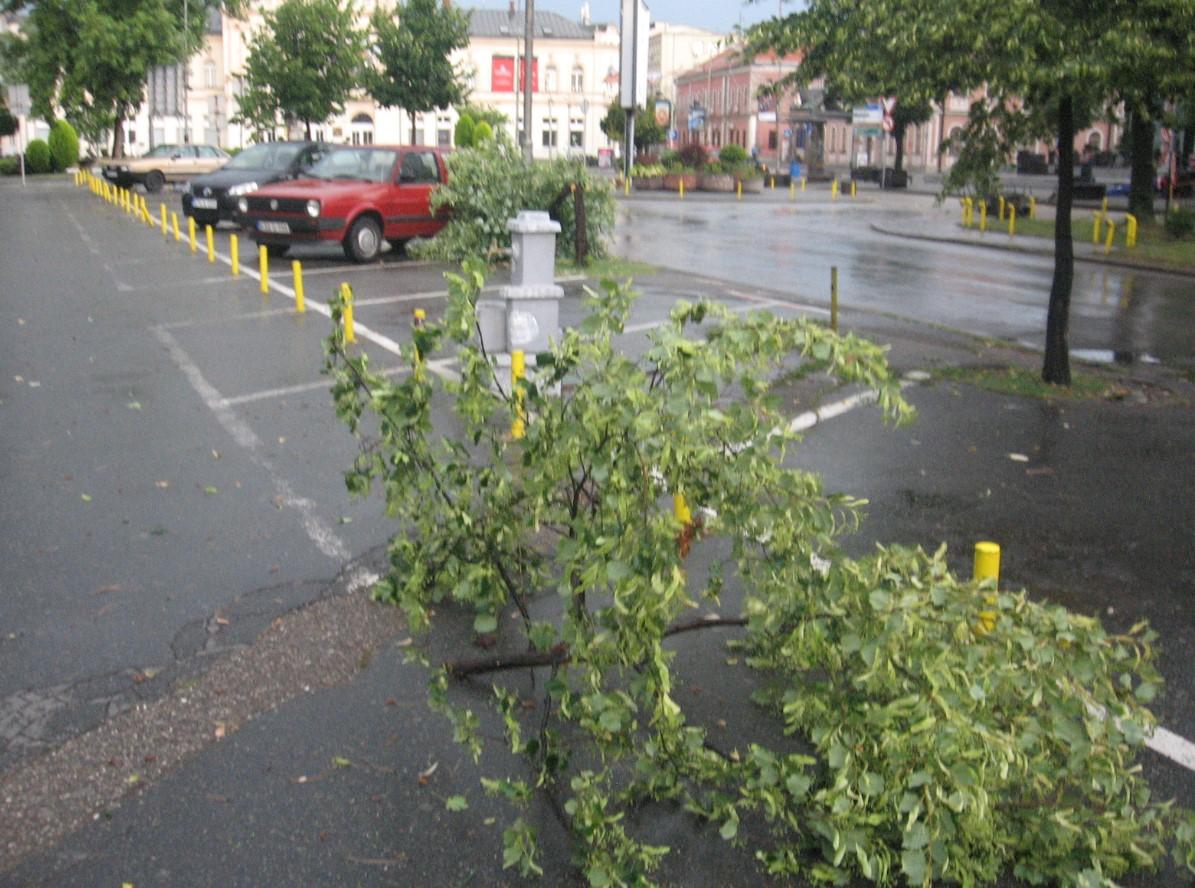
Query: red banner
502	74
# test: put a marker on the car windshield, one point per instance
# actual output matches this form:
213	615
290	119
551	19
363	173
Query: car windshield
267	156
163	151
367	164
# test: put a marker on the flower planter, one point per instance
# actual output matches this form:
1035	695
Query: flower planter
648	183
672	181
752	186
723	182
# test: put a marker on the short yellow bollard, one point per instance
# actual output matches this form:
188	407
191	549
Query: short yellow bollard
165	221
773	183
1131	232
792	190
680	509
626	186
1096	228
234	254
191	233
1110	238
263	266
987	567
738	188
803	181
1002	205
834	298
1104	206
346	293
418	319
211	243
1012	221
853	192
963	203
983	215
1032	207
296	268
174	225
834	190
681	188
518	370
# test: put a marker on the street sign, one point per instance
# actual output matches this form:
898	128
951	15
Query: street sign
18	99
863	115
868	132
696	118
788	132
888	124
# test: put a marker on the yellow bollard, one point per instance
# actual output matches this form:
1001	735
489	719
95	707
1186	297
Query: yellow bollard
296	268
1104	206
834	190
234	252
1111	237
680	508
165	221
804	179
191	233
792	190
211	243
626	186
1131	233
1012	221
1032	207
1001	207
834	298
346	293
963	203
518	370
681	189
418	319
263	265
987	567
852	188
773	183
1095	228
983	215
738	188
174	224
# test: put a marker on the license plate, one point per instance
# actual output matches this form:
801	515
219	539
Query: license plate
273	227
203	203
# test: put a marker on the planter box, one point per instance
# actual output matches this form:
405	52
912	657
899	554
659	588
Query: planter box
752	186
648	183
723	182
672	181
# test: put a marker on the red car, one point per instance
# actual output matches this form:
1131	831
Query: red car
358	196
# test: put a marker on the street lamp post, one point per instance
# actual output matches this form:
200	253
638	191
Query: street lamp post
529	84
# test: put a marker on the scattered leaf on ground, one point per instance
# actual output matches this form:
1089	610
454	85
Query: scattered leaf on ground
1018	457
85	497
215	454
456	803
221	730
107	590
211	491
221	621
345	519
425	775
134	405
161	485
341	762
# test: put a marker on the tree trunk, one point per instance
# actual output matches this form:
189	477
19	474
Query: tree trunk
307	130
898	133
1141	144
411	114
1057	368
118	132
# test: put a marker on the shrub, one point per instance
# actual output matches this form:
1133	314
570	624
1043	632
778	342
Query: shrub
37	157
693	157
490	183
64	145
1180	222
733	155
465	134
10	166
482	132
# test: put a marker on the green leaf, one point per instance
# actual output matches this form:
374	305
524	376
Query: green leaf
485	623
456	803
915	867
617	570
730	829
916	837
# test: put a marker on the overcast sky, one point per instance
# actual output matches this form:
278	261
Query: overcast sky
716	15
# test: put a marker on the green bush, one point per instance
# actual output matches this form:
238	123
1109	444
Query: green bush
64	145
733	155
465	134
491	183
1180	222
482	132
10	166
37	157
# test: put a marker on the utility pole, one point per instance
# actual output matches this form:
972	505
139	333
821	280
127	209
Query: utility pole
528	83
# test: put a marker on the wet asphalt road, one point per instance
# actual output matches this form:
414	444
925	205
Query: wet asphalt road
790	246
171	485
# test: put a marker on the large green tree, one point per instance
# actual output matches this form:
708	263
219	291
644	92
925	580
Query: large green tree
1044	66
304	63
411	48
647	131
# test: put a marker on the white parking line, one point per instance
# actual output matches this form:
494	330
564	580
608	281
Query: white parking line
320	533
283	392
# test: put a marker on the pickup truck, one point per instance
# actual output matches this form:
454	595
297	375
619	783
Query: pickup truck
358	196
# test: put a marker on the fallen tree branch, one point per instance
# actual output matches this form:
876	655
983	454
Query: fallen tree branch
559	654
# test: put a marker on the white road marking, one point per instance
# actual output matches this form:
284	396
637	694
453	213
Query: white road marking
228	319
319	532
283	392
1173	747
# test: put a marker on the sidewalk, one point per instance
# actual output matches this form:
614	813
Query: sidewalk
345	784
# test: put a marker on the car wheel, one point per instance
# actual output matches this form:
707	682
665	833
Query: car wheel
364	240
154	181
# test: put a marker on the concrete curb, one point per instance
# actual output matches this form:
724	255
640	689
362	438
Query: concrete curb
1010	248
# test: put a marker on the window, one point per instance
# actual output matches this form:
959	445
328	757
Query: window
209	74
956	140
444	138
419	166
576	139
550	79
549	134
1095	140
772	140
578	81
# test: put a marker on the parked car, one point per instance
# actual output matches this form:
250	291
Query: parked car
166	163
358	196
212	197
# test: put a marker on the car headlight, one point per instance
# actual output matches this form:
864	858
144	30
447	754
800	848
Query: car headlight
313	209
244	188
242	205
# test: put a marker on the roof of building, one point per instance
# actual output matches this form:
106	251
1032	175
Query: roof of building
548	25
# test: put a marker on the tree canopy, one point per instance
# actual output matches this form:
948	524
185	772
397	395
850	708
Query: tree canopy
647	131
411	51
304	63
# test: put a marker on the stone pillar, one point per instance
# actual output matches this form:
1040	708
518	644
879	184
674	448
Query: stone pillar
526	313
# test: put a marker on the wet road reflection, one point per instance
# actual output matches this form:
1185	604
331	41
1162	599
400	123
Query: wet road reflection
1120	312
